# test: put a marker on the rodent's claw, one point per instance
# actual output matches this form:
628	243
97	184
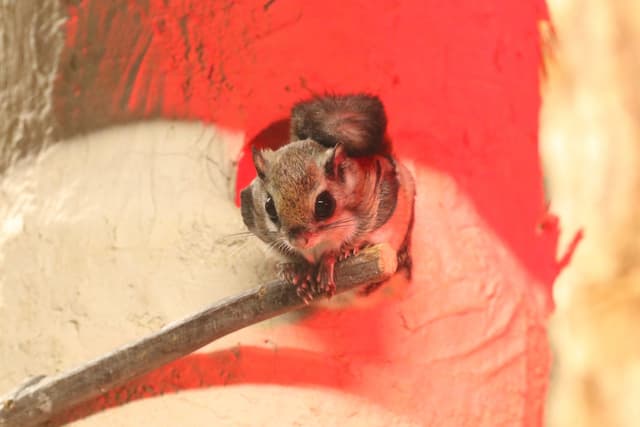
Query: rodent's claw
303	293
348	252
300	276
287	271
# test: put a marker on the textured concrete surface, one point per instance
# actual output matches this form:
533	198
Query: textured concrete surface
31	40
115	231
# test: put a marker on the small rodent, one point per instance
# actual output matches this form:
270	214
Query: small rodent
333	189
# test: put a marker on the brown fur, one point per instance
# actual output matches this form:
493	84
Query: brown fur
342	155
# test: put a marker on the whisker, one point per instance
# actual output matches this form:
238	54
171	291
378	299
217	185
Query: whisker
240	233
333	227
271	248
227	237
279	246
340	223
285	247
275	245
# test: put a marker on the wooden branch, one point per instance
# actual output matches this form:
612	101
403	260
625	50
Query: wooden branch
41	399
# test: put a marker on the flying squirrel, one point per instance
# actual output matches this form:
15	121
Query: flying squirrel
333	189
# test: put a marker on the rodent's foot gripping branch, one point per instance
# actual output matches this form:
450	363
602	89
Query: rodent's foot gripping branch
302	276
312	279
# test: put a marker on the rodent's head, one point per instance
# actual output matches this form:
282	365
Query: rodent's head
304	198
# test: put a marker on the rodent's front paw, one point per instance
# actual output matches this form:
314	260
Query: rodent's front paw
348	252
301	276
325	278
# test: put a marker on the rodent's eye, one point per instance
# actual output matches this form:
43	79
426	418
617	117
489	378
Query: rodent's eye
270	207
325	205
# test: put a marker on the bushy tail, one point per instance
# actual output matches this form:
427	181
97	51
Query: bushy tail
358	122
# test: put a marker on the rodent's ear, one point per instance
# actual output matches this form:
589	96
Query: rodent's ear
259	161
333	167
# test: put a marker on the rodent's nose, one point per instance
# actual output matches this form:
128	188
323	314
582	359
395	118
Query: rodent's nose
299	235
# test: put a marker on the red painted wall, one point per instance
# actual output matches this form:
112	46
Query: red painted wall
460	80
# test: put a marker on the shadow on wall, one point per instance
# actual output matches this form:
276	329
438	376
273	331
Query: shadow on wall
273	365
241	365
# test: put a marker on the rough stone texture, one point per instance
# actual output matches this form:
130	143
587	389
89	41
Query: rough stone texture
30	44
110	234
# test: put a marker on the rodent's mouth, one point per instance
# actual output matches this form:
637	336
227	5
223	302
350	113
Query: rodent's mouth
303	243
316	247
305	240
